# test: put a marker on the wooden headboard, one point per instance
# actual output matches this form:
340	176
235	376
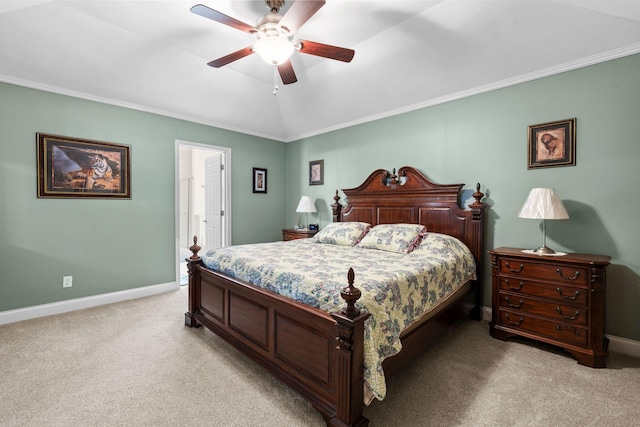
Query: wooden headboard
409	197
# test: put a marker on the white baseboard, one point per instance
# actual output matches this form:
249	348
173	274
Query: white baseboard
26	313
616	344
486	311
624	346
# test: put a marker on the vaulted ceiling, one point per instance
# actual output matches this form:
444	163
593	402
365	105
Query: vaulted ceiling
152	55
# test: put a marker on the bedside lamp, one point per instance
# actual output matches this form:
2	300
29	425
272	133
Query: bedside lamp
544	204
306	206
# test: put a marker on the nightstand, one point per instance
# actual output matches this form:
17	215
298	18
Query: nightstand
291	234
559	300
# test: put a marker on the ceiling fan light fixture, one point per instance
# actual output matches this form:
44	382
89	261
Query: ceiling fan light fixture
274	50
275	34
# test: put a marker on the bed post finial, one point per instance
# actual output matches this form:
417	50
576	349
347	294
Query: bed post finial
351	294
337	208
478	195
477	207
195	248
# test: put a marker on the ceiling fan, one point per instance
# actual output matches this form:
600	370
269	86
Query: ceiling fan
275	43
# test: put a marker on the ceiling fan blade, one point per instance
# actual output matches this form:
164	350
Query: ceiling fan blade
217	63
327	51
207	12
287	74
299	13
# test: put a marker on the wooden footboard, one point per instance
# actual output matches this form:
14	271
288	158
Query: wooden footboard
319	355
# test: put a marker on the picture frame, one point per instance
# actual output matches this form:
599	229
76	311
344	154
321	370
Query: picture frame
552	144
70	167
316	172
259	180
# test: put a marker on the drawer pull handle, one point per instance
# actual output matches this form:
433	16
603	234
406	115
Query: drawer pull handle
520	285
510	304
574	317
575	276
575	330
514	270
571	297
518	323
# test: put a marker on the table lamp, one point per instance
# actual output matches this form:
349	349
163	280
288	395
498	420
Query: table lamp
306	206
544	204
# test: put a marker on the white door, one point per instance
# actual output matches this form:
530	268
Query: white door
213	209
215	175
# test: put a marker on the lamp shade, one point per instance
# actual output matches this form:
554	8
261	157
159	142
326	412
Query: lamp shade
306	205
543	203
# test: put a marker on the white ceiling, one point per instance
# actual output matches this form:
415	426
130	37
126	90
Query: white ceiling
152	55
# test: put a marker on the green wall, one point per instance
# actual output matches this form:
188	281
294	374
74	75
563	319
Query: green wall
111	245
483	139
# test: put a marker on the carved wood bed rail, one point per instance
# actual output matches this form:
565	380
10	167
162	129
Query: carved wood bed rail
328	369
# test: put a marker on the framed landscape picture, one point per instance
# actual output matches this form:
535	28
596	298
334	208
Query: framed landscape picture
552	144
81	168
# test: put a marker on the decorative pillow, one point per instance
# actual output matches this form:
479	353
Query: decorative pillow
400	238
342	233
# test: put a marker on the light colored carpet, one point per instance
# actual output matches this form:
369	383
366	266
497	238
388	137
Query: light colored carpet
135	364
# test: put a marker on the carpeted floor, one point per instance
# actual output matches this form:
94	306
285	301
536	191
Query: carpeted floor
135	364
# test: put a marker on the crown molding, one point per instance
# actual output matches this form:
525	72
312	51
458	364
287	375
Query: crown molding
538	74
523	78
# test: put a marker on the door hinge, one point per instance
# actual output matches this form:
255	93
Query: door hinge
221	167
221	213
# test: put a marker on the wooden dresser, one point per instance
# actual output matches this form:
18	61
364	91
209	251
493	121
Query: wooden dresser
291	234
556	299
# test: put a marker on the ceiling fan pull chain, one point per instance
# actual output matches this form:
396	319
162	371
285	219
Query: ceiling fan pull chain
275	80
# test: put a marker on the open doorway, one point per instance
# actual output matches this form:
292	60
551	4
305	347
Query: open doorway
203	191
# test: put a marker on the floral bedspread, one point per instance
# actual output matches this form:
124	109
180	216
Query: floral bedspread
397	289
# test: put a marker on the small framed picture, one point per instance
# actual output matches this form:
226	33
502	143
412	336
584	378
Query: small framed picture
316	172
552	144
259	180
82	168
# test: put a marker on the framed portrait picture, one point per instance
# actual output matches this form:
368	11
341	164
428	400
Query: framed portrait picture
552	144
81	168
259	180
316	172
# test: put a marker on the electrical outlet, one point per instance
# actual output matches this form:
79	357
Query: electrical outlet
67	281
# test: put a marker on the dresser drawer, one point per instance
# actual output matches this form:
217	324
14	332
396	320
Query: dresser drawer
559	312
556	272
291	234
559	331
561	293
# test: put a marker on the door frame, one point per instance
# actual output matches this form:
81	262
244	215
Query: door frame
225	176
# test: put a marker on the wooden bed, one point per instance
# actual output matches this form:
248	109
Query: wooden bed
328	369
